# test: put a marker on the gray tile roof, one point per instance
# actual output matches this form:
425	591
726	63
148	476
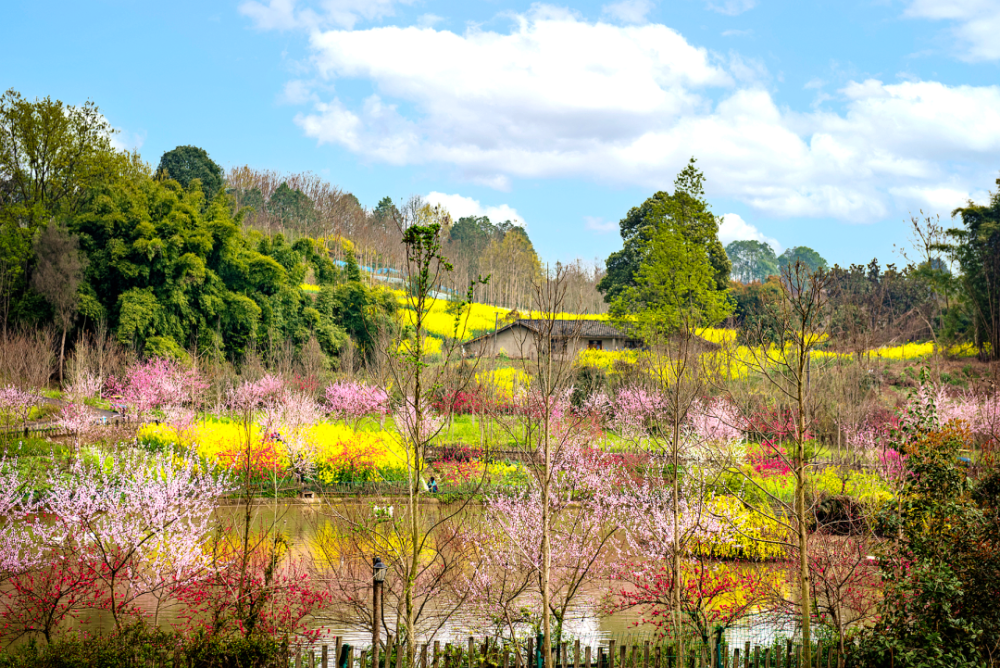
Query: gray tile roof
583	329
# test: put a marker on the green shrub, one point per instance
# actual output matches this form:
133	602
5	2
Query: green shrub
140	645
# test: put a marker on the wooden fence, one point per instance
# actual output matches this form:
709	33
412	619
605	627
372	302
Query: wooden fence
525	655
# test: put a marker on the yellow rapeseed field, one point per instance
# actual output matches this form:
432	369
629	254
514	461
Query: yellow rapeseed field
504	383
337	452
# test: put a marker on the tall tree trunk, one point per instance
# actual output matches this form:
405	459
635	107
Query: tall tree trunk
546	541
62	355
800	501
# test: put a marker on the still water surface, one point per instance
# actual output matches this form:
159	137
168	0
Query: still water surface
300	523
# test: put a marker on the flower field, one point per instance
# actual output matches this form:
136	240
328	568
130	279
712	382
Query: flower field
333	452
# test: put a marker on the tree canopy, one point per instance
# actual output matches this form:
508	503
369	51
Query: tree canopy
51	154
976	246
752	260
687	213
184	164
807	256
90	233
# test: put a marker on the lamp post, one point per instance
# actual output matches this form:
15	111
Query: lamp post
378	577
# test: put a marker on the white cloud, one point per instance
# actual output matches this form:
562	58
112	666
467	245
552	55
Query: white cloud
460	206
124	140
735	228
600	225
429	20
977	24
289	15
560	97
731	7
297	92
628	11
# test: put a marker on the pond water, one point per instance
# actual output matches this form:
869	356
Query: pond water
302	524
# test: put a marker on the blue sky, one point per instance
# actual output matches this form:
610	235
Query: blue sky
821	123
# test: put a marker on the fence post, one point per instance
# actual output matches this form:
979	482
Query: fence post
622	653
531	654
736	658
788	654
611	654
576	654
564	652
586	657
645	655
437	650
423	656
657	654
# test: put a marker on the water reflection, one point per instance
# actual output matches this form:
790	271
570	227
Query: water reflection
306	525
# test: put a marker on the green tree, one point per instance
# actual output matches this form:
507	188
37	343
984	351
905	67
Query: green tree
940	570
755	310
675	292
752	260
184	164
675	287
687	212
807	256
169	271
976	246
51	154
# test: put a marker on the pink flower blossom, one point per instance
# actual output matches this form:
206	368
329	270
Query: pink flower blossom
714	420
352	400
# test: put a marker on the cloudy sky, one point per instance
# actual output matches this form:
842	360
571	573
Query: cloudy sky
823	123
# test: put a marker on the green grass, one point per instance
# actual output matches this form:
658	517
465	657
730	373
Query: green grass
97	402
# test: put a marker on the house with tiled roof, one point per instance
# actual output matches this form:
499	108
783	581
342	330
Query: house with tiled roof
523	338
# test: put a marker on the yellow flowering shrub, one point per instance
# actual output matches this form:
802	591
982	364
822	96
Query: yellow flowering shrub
740	528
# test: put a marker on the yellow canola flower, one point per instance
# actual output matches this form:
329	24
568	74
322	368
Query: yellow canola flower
606	360
904	352
432	346
342	454
337	452
474	319
504	383
718	335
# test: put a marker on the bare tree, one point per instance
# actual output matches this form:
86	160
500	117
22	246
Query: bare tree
57	276
785	365
418	554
